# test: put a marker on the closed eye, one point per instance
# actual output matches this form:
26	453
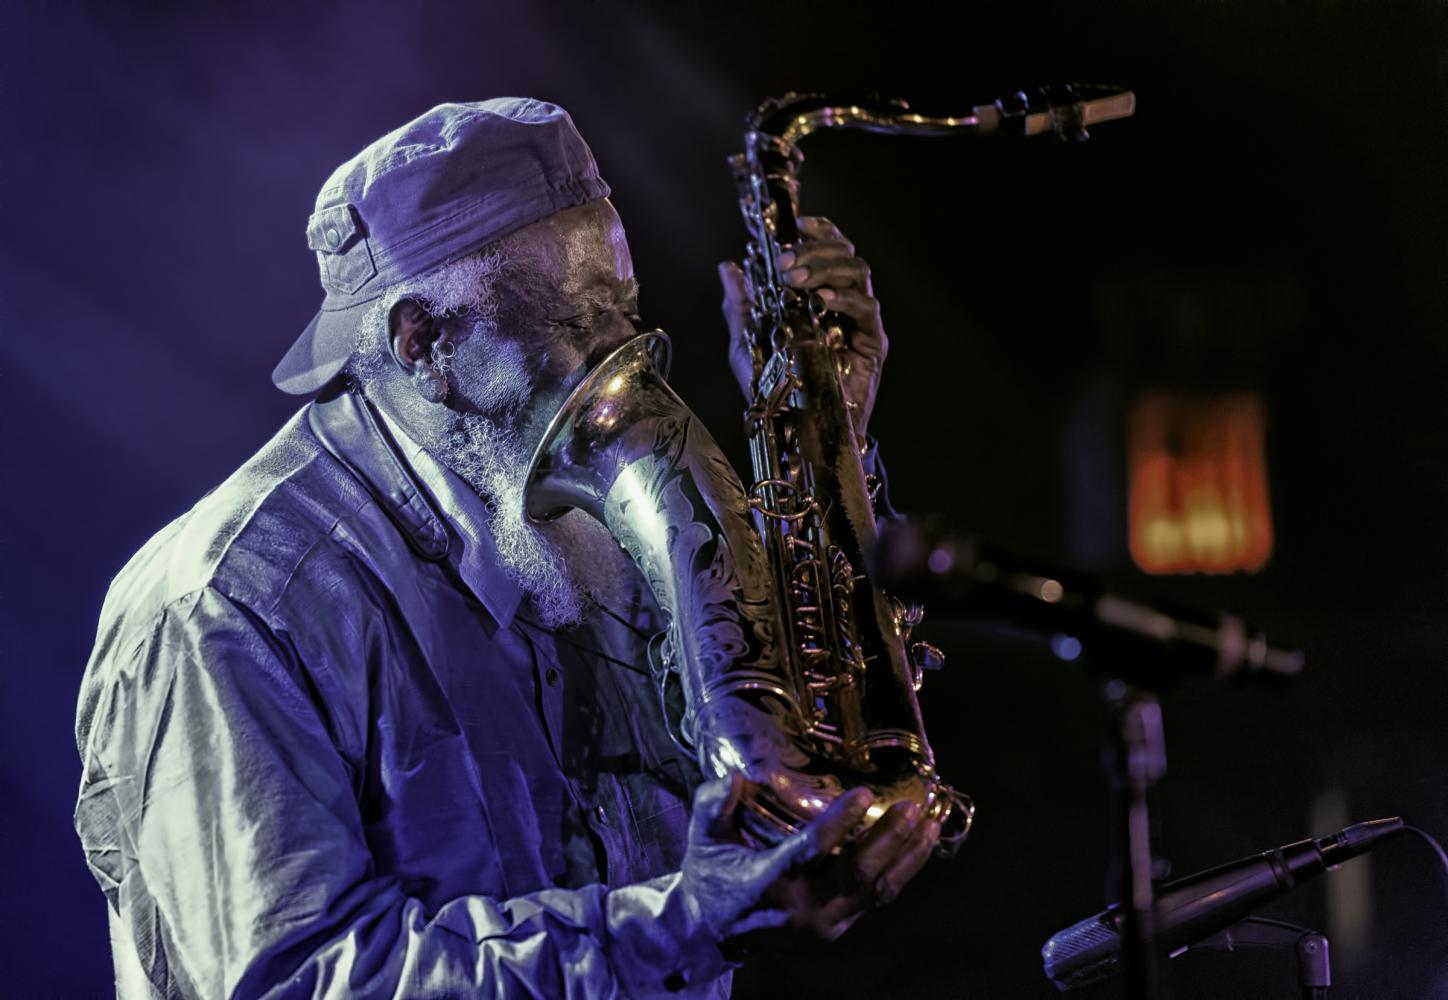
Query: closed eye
625	301
587	320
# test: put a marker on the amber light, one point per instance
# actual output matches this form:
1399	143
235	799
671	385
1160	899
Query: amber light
1198	475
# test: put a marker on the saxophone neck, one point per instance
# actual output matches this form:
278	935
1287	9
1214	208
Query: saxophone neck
1065	110
776	128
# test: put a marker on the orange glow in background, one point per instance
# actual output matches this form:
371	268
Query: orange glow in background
1197	470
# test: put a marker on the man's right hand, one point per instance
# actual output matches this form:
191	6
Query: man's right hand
799	883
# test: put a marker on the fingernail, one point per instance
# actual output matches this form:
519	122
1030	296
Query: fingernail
797	275
912	812
828	294
786	259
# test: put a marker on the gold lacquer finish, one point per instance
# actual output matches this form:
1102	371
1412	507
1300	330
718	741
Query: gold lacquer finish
626	450
793	667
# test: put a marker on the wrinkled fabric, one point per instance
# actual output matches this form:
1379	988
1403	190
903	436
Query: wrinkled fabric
326	754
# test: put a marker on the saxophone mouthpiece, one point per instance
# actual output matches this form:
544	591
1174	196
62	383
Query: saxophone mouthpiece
1067	111
1108	108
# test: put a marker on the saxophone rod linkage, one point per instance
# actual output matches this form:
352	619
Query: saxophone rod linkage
1067	110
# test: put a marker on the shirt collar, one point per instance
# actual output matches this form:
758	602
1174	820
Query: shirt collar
439	514
476	555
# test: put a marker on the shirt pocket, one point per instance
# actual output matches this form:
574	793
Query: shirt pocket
659	807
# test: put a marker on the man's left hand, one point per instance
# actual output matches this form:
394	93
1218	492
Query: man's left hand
824	896
823	262
817	881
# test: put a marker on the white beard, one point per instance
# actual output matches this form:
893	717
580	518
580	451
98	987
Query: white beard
562	566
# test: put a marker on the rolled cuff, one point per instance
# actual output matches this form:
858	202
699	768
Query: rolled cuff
660	943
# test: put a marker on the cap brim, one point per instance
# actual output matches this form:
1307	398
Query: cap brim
320	352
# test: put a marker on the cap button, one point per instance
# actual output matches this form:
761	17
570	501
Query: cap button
333	237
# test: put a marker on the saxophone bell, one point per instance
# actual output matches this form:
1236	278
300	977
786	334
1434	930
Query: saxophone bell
626	450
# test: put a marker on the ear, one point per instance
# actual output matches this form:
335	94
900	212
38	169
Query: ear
411	332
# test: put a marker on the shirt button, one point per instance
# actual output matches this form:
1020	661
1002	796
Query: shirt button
551	676
333	237
601	813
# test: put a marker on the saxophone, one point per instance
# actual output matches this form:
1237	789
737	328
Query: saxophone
793	667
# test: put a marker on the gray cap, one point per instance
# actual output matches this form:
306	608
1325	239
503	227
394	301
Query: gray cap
440	187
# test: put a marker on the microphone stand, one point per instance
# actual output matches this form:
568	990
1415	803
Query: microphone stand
1137	763
1314	966
1136	648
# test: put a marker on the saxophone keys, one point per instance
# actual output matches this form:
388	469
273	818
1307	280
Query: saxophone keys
907	615
825	684
925	656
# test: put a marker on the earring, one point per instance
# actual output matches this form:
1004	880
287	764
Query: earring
431	384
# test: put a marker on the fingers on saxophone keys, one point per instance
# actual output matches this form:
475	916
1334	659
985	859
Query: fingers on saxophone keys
819	227
815	265
885	856
835	824
860	306
907	864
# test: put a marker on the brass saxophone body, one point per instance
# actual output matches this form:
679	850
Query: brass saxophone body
794	668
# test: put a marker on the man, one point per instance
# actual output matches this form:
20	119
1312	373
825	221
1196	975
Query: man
353	726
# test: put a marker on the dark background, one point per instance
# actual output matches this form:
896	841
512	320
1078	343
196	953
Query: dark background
1274	217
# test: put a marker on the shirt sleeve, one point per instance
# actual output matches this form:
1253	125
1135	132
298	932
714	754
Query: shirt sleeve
222	822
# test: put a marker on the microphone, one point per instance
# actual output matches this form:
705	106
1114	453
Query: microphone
1191	909
1148	645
